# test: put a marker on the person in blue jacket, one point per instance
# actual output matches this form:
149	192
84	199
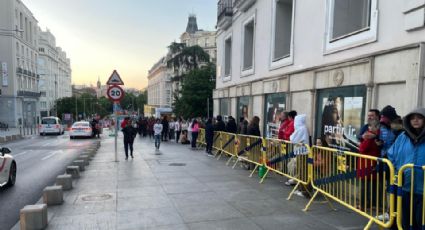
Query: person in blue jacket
409	148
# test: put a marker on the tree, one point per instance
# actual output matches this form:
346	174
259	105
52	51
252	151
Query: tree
197	88
185	59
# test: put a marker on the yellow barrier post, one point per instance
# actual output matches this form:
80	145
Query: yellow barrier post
263	158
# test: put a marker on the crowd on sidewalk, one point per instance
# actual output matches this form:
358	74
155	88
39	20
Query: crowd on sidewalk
385	135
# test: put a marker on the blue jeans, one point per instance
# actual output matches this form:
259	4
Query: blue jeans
157	141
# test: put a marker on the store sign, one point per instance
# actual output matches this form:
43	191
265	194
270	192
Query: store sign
5	75
340	117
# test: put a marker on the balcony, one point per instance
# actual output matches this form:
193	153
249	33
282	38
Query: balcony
19	70
25	72
224	14
244	5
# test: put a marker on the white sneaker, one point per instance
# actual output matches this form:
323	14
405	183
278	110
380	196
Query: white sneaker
299	193
384	217
290	182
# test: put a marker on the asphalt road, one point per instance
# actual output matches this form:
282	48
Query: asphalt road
39	160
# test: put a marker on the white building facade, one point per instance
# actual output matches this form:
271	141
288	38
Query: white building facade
159	85
18	58
340	57
55	73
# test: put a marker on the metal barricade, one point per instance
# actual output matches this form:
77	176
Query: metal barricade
359	182
228	147
201	138
408	201
289	160
217	142
250	149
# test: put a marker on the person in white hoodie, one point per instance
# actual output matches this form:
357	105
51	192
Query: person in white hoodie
299	138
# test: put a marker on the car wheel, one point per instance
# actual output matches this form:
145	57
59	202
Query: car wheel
12	175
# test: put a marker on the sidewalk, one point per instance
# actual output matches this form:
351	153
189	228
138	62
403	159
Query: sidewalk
178	188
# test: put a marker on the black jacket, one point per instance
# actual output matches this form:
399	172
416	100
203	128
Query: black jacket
209	132
254	130
219	126
231	126
129	133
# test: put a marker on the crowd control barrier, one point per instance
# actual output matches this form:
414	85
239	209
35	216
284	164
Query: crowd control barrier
217	142
289	160
410	205
359	182
250	150
228	146
201	138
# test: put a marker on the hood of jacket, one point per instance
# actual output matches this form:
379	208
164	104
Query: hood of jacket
299	121
409	129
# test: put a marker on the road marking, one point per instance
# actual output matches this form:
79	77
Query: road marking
21	153
51	155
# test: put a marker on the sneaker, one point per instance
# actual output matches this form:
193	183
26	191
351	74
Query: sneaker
290	182
132	156
299	193
126	158
383	217
210	154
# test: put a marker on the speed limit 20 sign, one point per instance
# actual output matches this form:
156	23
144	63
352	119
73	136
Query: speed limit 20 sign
115	93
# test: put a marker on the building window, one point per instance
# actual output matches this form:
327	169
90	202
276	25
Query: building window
248	46
41	50
282	33
350	16
228	57
350	23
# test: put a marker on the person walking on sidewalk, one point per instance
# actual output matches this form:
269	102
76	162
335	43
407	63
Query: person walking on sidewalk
129	134
157	128
209	136
177	128
195	131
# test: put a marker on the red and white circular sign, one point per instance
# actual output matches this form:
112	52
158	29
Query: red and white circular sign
115	93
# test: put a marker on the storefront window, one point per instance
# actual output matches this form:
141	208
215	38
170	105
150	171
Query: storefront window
274	107
340	116
224	106
243	108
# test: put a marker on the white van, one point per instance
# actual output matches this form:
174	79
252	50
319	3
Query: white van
51	125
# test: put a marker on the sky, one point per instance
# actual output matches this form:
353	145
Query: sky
130	36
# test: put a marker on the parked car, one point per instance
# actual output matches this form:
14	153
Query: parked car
7	168
80	129
51	125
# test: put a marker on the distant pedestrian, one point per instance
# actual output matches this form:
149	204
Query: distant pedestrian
254	127
177	128
209	136
219	125
172	128
290	128
129	134
195	131
157	133
231	126
165	128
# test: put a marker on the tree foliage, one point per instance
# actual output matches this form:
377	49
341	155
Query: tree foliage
186	58
197	87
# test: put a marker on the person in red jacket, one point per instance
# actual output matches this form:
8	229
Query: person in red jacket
290	128
283	125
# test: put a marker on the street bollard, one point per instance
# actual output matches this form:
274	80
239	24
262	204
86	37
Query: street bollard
53	195
80	164
65	181
33	217
74	171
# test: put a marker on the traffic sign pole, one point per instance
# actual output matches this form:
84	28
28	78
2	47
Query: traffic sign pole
116	132
115	94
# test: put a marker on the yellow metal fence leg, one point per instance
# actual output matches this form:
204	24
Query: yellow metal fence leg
293	190
369	224
234	165
311	201
264	177
230	159
253	171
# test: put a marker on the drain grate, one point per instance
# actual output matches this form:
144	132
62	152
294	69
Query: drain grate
96	197
177	164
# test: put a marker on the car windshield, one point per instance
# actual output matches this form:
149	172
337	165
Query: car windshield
48	121
81	124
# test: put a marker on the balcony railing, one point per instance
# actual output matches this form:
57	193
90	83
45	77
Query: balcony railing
224	9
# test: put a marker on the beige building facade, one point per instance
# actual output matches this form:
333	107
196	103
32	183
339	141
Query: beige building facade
331	60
